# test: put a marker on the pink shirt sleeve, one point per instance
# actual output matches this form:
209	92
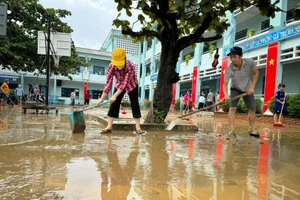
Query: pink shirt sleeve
109	79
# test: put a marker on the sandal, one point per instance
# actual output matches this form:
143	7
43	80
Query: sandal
139	131
106	130
231	133
254	133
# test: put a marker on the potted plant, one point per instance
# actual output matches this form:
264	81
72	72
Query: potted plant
212	48
250	33
148	74
187	59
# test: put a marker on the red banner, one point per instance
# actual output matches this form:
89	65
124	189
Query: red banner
85	87
270	80
263	167
194	85
224	68
174	90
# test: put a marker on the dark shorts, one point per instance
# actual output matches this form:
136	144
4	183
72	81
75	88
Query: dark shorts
249	99
4	96
277	111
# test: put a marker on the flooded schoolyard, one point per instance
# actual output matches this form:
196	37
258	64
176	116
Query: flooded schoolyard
41	159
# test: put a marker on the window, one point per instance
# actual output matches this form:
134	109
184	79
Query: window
241	34
95	94
289	16
99	70
265	25
66	92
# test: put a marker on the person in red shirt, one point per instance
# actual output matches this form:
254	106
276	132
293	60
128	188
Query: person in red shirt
87	97
125	81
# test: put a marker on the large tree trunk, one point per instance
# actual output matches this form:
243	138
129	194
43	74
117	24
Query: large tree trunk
166	77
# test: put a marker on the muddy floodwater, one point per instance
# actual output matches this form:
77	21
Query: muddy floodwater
41	159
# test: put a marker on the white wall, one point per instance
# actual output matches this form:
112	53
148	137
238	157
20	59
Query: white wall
291	74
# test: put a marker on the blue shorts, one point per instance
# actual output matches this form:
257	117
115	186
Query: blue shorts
4	96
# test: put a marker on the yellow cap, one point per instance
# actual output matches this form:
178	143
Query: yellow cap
118	57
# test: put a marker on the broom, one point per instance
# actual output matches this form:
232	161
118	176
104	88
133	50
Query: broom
76	118
178	119
279	124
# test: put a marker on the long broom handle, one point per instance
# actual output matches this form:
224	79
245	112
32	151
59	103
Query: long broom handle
211	106
282	105
91	107
9	98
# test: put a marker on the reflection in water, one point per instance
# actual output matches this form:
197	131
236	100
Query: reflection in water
41	159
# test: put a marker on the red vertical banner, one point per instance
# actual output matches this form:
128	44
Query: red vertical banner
174	90
224	68
270	80
263	168
85	87
194	85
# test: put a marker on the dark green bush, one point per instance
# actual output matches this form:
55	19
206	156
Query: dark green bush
293	105
272	102
242	107
126	104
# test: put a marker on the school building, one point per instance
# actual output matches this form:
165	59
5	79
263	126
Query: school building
274	44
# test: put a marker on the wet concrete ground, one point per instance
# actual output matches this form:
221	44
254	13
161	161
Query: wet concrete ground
41	159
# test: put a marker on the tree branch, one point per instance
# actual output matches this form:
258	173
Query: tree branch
142	33
168	19
193	38
208	39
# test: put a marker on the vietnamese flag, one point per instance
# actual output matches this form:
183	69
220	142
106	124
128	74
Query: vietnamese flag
194	85
270	80
224	68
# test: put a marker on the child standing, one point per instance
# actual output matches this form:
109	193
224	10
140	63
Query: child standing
279	102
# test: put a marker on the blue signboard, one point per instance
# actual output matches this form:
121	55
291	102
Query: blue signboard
153	77
269	38
12	78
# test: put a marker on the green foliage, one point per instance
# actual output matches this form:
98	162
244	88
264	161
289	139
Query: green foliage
18	49
177	104
126	104
148	104
188	19
159	116
293	105
242	107
250	33
187	59
272	102
212	48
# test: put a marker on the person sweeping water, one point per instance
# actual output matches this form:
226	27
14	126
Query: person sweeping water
125	81
279	104
240	72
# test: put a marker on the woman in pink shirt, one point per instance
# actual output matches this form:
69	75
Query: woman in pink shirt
126	81
186	99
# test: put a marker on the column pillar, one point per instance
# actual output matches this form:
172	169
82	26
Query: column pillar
152	68
143	72
54	89
279	20
178	71
197	62
228	42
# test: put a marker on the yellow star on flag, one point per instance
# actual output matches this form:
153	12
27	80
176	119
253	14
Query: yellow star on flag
271	62
194	77
224	71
